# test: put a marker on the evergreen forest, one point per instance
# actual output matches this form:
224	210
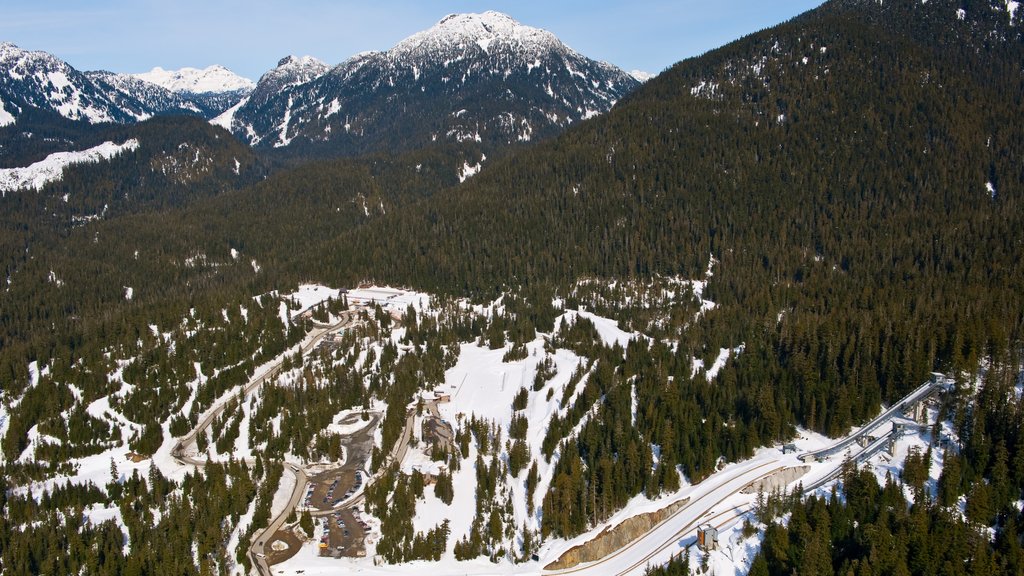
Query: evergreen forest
846	188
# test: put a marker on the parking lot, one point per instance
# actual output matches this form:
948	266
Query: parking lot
331	489
344	534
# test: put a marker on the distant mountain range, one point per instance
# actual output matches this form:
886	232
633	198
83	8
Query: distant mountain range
192	80
482	78
39	80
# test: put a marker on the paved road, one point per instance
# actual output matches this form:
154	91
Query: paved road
358	446
257	550
347	319
709	496
260	540
636	555
914	397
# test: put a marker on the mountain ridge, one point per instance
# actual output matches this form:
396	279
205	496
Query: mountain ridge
471	77
39	79
213	78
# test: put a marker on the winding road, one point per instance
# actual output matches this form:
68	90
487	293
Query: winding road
180	452
347	319
257	549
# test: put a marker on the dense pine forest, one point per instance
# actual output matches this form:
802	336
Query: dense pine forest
848	184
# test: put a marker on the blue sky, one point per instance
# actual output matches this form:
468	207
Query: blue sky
250	36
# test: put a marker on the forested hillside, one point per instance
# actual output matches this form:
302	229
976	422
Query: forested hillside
845	189
857	185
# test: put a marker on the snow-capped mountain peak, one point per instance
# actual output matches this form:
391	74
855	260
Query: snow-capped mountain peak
470	77
641	75
463	31
214	78
301	62
292	70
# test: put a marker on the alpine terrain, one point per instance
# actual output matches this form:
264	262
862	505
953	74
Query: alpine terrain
479	305
472	77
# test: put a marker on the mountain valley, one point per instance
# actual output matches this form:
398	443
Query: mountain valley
480	304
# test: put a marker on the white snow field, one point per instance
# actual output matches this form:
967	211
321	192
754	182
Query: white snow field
51	168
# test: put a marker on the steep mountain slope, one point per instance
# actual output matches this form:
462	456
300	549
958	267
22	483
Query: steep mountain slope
290	71
151	166
40	80
472	77
852	171
142	98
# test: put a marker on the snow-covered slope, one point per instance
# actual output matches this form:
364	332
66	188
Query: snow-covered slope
143	98
210	79
34	79
471	77
41	80
52	167
290	71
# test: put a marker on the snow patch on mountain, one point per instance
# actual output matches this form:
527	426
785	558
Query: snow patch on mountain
1011	8
6	118
51	168
214	78
4	420
468	171
228	116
